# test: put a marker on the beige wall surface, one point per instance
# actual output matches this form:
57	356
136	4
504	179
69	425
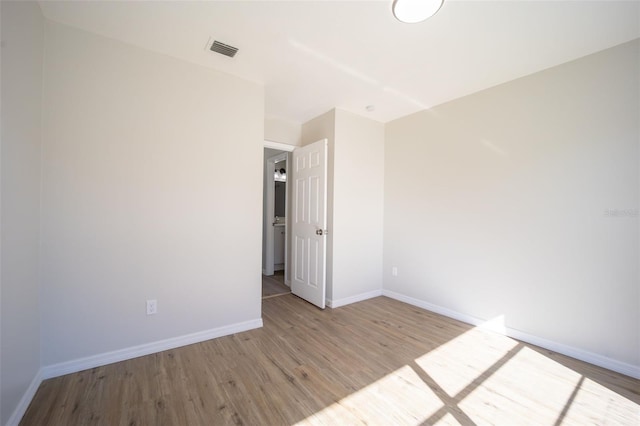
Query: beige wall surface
22	46
521	201
282	131
152	172
358	205
355	196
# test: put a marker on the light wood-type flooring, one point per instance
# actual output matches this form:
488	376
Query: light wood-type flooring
274	285
377	362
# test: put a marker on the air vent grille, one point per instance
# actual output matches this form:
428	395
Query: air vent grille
223	49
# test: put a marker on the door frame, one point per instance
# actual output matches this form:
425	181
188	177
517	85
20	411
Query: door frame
268	215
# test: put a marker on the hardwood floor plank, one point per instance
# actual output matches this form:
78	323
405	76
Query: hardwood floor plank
274	285
377	362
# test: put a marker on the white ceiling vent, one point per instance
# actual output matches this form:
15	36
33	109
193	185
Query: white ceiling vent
223	49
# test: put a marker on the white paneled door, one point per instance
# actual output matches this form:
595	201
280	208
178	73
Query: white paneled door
309	234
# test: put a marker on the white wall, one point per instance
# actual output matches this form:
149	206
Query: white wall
496	204
22	45
357	206
282	131
143	197
355	203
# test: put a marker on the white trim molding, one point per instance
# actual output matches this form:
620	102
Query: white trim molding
278	145
582	355
146	349
353	299
28	395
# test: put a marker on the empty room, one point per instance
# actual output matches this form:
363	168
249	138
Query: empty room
381	212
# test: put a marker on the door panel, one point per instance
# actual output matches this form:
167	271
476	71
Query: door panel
298	261
310	222
315	215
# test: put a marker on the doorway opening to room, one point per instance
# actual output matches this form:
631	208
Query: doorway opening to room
296	242
275	226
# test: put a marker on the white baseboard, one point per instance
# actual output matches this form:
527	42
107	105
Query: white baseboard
353	299
433	308
28	395
582	355
80	364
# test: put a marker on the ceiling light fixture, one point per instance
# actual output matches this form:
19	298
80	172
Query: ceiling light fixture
413	11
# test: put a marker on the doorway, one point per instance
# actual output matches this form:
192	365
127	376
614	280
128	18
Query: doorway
306	229
275	241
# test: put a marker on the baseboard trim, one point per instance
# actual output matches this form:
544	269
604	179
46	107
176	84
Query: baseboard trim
99	360
582	355
28	395
353	299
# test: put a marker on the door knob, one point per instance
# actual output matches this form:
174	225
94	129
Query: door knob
321	232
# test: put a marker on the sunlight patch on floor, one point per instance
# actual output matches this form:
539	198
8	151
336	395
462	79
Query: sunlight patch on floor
528	389
596	404
400	397
447	419
481	377
460	361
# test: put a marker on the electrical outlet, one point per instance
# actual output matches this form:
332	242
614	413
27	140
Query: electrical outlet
394	271
152	307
